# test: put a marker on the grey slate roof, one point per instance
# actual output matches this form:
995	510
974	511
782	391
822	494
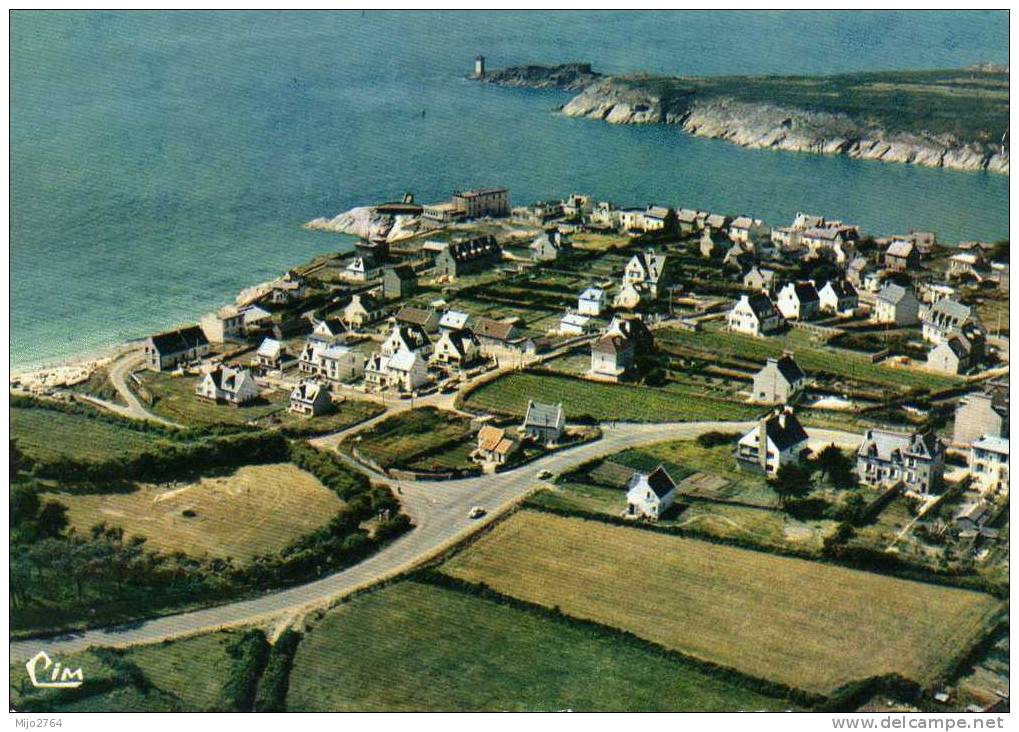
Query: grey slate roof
178	341
787	367
762	306
544	415
785	430
892	293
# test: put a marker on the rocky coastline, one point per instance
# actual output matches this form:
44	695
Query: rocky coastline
627	100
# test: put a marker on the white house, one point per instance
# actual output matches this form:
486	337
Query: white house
591	301
226	384
575	324
759	278
406	338
649	496
309	398
647	269
838	296
778	439
544	423
988	464
225	324
896	305
944	318
747	230
361	310
799	301
457	347
270	354
341	363
361	269
454	320
754	315
778	381
407	371
328	330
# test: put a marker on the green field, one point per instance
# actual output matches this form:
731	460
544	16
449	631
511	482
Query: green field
48	434
456	652
812	626
604	401
426	438
193	669
813	357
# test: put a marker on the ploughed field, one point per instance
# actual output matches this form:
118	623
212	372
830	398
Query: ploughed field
809	625
444	650
257	509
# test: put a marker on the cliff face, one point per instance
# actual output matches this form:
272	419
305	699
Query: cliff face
640	100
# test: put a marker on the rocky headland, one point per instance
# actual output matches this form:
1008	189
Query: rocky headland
700	108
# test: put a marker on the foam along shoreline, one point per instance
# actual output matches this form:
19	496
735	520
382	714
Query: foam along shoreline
70	370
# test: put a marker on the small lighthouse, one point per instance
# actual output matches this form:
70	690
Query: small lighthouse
479	67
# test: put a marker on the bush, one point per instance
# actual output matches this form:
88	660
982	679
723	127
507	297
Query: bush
271	695
714	439
249	655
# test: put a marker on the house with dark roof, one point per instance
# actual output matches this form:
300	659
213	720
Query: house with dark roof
902	256
712	243
944	318
896	305
329	331
777	440
170	349
399	281
288	288
799	301
778	381
310	399
549	246
427	318
362	310
226	384
981	413
649	495
544	423
647	270
915	460
754	315
468	256
960	352
496	333
406	338
457	348
611	356
839	297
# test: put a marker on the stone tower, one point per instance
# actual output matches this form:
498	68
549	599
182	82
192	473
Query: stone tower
479	67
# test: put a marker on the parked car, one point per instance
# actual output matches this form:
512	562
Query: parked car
544	474
476	512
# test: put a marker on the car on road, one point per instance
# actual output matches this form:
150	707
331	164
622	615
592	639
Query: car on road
476	512
544	474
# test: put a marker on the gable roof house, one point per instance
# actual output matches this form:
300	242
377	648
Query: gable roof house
575	324
902	256
630	296
471	255
988	464
979	414
944	318
761	279
897	305
406	370
495	445
457	347
952	355
544	423
406	338
838	296
225	324
399	281
591	301
738	255
361	269
778	439
427	318
856	269
549	245
361	310
712	243
455	320
328	330
754	315
647	269
342	363
718	221
634	329
288	288
747	230
611	356
496	332
170	349
649	496
226	384
269	354
916	460
778	381
829	241
310	399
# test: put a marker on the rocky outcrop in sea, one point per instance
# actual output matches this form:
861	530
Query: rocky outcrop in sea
567	77
365	222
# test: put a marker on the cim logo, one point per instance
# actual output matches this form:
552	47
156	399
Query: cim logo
59	678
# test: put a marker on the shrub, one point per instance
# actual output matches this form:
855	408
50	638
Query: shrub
271	695
249	654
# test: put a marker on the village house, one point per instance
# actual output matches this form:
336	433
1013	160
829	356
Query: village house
291	327
631	220
226	384
944	318
362	310
649	496
799	301
778	381
495	445
257	314
426	318
630	296
226	324
760	279
544	423
648	270
577	206
465	257
270	354
539	212
406	338
457	348
689	221
591	301
739	256
310	399
902	256
455	320
931	292
968	264
170	349
604	216
754	315
496	333
614	354
916	460
361	269
406	370
777	440
953	355
747	230
655	218
712	243
981	413
718	221
549	246
827	242
857	268
289	288
896	305
575	324
328	331
476	204
376	371
334	362
399	281
988	464
839	297
970	519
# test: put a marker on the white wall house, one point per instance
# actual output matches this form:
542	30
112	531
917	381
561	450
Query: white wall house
591	301
225	384
649	496
754	315
778	439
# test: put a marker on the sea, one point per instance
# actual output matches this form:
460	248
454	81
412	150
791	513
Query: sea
163	161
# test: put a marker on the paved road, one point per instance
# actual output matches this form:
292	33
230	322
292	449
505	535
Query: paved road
439	510
119	374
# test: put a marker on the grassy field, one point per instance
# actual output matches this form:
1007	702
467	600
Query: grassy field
604	401
813	357
501	659
47	434
765	615
258	509
419	438
193	669
175	399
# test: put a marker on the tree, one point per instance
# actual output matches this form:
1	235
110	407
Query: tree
836	467
670	224
52	519
791	481
24	503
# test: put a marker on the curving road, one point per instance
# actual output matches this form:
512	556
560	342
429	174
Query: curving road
439	510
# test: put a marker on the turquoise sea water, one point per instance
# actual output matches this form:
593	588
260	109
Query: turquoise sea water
160	162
